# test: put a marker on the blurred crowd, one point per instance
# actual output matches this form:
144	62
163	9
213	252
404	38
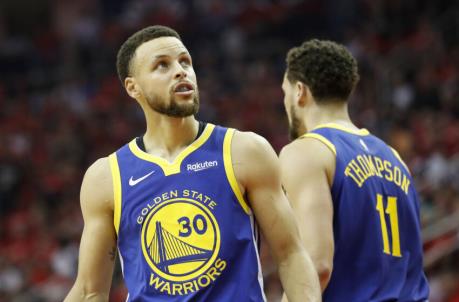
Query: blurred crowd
62	107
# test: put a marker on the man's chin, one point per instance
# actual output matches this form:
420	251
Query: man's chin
179	111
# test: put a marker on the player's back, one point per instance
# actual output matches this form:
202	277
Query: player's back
378	247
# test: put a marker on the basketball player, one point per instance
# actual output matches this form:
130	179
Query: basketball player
181	203
351	193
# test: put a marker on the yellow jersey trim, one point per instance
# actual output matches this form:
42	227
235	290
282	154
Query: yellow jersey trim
116	190
400	159
228	163
174	167
362	131
323	140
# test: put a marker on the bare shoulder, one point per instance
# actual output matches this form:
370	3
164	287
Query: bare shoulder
251	144
308	152
253	157
306	158
97	186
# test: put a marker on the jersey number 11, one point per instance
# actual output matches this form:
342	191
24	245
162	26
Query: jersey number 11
391	209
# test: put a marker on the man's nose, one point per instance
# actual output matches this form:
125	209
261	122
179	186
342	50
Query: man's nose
180	72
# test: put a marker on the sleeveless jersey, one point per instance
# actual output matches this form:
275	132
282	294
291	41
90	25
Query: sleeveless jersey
185	232
376	225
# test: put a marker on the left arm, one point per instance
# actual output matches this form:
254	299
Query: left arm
257	169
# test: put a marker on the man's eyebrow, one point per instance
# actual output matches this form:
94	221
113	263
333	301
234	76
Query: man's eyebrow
165	56
161	56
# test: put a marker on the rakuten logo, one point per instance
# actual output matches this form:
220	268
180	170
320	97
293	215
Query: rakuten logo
199	166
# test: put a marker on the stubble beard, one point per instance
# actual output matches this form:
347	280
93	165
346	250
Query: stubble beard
294	125
174	108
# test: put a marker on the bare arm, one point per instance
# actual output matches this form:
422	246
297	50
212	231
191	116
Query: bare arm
307	174
257	170
98	242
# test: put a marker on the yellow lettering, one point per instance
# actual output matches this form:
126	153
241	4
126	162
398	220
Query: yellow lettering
186	193
379	166
174	193
358	171
155	281
165	196
188	287
203	281
211	272
220	264
212	204
199	197
397	176
405	184
348	172
194	193
366	170
207	199
387	168
166	287
370	164
195	284
177	289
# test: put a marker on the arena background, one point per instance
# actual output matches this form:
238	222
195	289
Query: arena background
62	107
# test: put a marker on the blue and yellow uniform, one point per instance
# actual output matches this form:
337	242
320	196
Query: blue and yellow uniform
378	247
185	232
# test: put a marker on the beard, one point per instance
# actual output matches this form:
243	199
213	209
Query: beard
174	108
294	125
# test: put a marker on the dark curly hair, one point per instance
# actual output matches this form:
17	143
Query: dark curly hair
327	68
127	50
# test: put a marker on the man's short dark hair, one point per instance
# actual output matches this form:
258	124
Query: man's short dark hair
127	50
326	67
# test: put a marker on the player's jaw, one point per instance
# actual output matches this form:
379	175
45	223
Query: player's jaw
185	97
181	101
294	124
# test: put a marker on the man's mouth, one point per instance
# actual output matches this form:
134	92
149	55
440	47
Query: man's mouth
184	88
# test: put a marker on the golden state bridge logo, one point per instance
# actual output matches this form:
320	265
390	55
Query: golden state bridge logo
181	242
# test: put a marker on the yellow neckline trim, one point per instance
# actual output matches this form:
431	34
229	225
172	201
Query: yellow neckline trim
323	140
174	167
362	131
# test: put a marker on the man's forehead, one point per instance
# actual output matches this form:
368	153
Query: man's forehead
161	46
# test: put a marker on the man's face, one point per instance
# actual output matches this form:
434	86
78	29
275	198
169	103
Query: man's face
289	104
164	72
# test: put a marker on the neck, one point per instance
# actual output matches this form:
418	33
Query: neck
167	136
332	112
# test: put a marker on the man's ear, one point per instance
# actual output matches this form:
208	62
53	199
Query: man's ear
302	92
132	88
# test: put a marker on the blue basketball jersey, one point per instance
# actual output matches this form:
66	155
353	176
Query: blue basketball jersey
378	246
185	232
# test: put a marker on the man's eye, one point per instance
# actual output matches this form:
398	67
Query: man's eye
162	65
185	62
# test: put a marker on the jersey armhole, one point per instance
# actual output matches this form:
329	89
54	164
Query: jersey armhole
228	163
115	170
325	141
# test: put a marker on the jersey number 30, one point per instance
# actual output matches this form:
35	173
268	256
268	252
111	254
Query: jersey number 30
393	215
